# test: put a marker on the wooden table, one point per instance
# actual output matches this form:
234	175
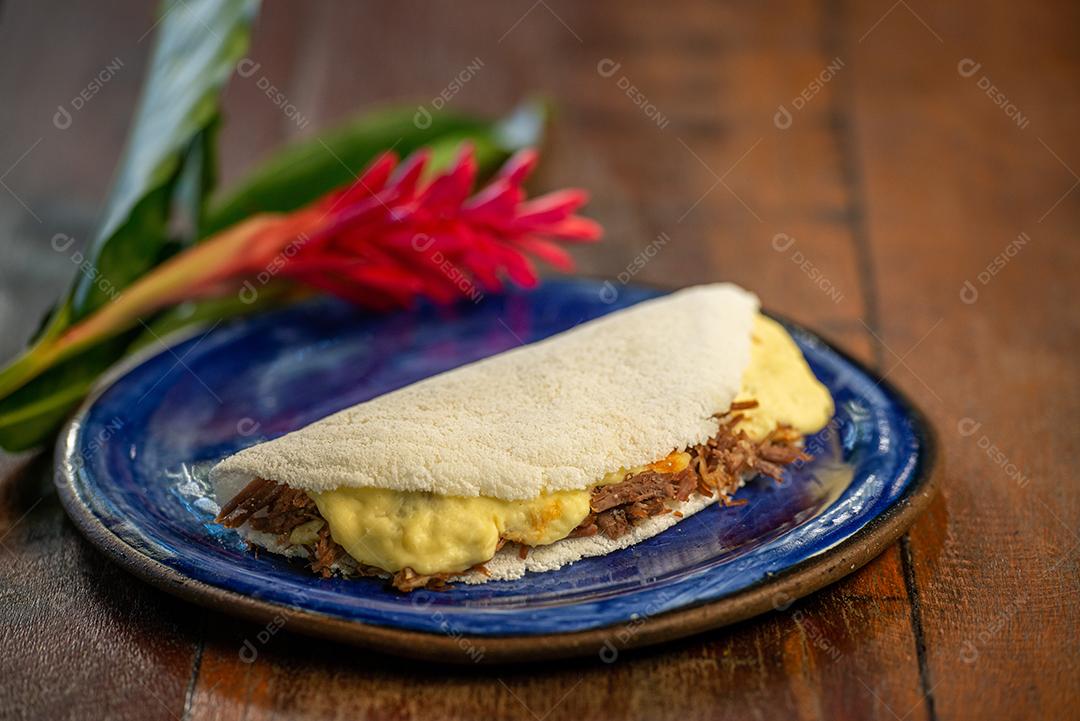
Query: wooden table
919	219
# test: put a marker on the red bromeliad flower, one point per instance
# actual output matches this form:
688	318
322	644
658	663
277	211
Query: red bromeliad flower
388	238
391	237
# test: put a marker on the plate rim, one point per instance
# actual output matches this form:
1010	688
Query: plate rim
775	593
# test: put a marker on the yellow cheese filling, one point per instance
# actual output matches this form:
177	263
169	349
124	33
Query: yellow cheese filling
785	388
432	533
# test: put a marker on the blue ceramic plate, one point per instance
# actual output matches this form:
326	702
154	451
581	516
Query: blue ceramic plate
132	469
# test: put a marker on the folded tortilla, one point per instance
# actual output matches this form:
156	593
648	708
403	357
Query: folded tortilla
435	477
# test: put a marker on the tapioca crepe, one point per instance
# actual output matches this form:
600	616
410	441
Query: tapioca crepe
574	446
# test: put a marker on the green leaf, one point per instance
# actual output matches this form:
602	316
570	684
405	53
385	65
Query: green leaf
304	171
197	179
199	44
168	162
30	415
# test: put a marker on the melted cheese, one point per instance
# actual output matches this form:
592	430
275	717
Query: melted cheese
431	533
785	388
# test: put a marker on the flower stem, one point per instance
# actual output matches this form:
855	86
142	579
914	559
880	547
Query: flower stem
182	277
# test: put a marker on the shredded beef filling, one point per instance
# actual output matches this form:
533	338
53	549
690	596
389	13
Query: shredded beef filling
716	469
275	508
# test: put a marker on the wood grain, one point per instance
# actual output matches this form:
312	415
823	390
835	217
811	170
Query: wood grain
998	608
897	179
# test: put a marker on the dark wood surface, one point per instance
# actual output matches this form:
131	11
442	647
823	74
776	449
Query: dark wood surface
899	179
